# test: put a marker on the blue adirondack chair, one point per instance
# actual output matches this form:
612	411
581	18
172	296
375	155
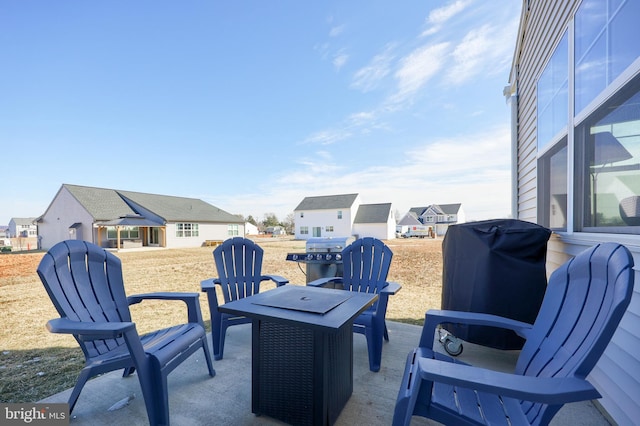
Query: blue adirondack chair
239	264
85	284
366	264
583	305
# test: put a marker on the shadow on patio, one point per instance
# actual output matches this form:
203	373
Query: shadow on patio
197	399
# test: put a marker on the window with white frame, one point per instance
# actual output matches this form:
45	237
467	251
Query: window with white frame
608	162
304	230
606	43
328	228
552	187
339	214
553	94
233	230
187	230
603	166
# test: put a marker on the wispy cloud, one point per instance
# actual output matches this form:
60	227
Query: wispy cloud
439	16
328	137
322	49
367	78
482	51
336	31
418	68
472	169
361	122
340	59
467	56
463	155
362	118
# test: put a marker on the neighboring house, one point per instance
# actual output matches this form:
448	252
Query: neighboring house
409	220
115	218
23	227
326	216
375	220
339	216
438	216
250	229
275	230
575	101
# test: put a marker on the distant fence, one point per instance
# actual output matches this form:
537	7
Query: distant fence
18	244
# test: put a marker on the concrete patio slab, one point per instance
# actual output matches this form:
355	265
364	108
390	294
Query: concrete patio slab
197	399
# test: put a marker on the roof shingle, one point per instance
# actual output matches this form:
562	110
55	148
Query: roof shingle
326	202
108	204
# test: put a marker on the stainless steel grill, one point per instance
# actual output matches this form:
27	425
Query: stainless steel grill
323	256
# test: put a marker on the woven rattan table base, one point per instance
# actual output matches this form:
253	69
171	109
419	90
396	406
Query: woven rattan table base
301	376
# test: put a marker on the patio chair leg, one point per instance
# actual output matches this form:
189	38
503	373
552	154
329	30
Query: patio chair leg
85	374
156	397
207	356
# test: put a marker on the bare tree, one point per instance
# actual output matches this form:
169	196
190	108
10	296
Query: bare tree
289	224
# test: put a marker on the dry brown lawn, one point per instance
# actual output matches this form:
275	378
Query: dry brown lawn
35	363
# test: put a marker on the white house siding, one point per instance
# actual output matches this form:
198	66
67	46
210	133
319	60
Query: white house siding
63	212
617	374
250	229
461	217
323	218
381	231
206	231
18	226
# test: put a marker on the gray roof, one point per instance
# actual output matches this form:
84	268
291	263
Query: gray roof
178	209
23	220
100	203
109	204
373	213
129	221
409	219
417	210
326	202
437	208
450	208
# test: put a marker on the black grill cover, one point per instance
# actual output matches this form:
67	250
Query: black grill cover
496	267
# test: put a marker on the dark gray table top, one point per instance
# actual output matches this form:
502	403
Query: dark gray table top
314	307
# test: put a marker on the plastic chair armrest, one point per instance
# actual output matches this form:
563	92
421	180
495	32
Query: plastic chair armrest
391	288
194	314
323	282
547	390
88	331
185	297
435	317
276	279
209	284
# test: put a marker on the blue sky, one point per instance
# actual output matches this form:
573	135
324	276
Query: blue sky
253	105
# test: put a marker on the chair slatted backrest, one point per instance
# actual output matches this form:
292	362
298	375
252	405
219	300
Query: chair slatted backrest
239	264
585	301
85	284
366	264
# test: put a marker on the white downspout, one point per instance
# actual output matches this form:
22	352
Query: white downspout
511	96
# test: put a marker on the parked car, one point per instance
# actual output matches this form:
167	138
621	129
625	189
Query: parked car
5	245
